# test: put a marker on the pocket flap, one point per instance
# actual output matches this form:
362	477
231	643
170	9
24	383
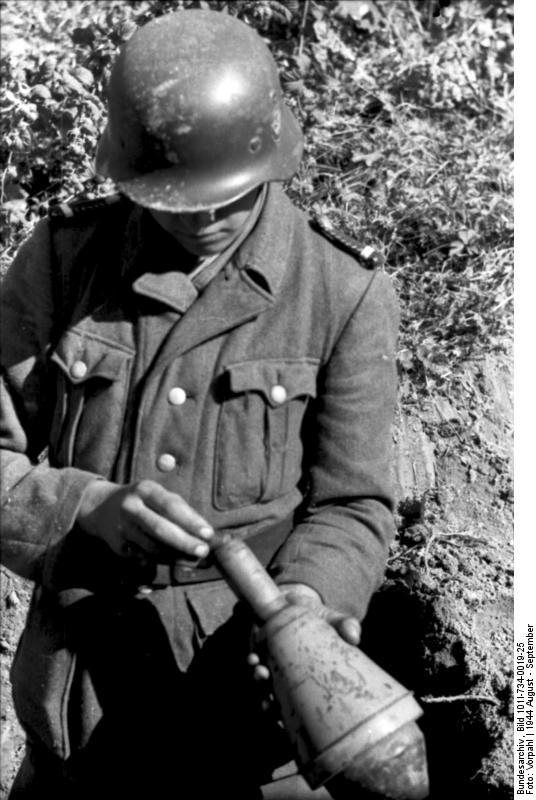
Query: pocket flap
81	358
212	605
278	381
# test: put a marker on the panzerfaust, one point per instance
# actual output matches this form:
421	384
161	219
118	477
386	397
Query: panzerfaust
352	726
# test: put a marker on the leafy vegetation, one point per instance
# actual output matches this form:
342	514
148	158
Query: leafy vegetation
407	110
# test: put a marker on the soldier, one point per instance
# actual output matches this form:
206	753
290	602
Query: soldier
190	355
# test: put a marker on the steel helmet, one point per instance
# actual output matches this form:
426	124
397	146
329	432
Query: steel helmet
196	117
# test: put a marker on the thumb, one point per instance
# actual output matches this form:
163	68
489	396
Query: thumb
347	627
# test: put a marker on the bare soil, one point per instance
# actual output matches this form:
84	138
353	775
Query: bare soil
442	623
443	620
15	596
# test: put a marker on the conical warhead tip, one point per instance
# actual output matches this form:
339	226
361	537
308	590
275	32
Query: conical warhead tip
392	769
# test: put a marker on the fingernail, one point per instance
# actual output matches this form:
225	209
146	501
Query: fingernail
201	550
206	533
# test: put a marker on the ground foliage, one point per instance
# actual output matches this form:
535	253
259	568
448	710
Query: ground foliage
407	110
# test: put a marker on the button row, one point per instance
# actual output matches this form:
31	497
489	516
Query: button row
167	462
177	396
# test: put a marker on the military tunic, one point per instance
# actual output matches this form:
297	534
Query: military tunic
266	395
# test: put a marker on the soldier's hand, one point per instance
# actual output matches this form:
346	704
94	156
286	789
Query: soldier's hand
143	520
347	627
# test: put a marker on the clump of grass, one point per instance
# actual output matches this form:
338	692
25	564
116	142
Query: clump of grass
410	150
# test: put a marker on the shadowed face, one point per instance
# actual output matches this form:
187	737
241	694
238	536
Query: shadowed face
207	233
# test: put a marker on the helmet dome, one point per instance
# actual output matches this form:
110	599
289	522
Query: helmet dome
196	117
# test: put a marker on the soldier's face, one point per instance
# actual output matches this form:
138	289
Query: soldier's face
207	233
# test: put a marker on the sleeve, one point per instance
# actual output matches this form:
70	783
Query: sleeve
340	543
39	503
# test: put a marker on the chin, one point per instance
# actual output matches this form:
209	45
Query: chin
205	249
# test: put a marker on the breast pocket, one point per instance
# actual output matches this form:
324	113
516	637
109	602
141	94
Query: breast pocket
258	444
92	386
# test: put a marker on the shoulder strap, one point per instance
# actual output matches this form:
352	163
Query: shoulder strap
82	232
367	256
77	209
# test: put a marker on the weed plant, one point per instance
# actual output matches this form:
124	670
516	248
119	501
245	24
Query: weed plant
407	110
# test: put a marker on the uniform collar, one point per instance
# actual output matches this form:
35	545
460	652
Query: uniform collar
157	268
266	250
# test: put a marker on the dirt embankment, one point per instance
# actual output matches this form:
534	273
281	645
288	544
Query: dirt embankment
442	622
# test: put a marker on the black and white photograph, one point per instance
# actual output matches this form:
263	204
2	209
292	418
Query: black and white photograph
257	402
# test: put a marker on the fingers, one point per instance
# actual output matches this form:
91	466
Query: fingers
143	520
301	594
174	508
136	541
157	520
260	671
161	533
262	677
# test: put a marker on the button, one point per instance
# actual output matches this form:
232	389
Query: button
79	369
177	396
278	393
145	590
166	462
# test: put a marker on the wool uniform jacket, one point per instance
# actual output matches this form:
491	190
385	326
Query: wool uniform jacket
266	396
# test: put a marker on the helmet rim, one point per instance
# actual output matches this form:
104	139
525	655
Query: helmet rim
179	189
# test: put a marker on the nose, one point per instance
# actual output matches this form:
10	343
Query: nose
200	219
